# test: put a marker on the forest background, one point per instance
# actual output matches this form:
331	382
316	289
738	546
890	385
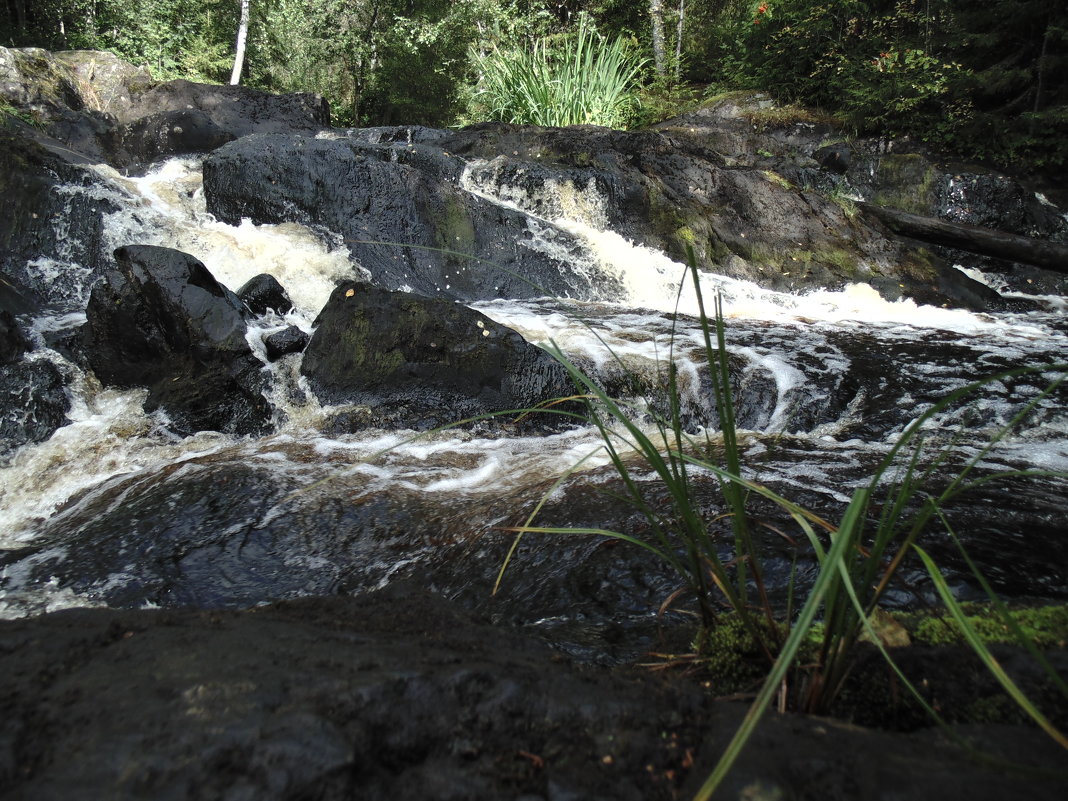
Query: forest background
985	81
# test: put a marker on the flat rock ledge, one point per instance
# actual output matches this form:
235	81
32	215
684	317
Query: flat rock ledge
399	695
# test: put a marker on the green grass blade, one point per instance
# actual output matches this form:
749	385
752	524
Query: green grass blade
853	516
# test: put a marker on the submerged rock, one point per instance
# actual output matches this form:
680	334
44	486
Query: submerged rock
422	362
33	403
288	340
162	321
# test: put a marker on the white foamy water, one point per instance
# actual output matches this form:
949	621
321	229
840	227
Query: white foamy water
169	210
652	280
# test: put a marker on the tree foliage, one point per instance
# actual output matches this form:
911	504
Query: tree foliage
984	80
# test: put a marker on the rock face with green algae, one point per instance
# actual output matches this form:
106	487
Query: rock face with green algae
421	361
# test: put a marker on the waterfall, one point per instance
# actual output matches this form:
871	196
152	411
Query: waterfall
804	379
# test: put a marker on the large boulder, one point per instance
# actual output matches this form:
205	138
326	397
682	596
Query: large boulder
402	212
90	105
422	362
51	226
238	110
162	321
389	189
170	133
671	190
812	151
263	293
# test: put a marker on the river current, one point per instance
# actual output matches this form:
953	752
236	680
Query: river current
826	382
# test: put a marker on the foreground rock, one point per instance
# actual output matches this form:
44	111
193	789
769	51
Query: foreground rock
422	363
162	321
397	695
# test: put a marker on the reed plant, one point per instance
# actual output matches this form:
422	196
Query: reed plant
858	556
580	79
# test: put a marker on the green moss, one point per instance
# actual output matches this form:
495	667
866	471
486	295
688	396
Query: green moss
731	657
786	116
678	230
454	229
845	261
777	179
28	117
1046	626
686	234
907	181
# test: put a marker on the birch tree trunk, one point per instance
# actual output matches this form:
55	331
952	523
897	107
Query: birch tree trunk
242	37
656	17
678	41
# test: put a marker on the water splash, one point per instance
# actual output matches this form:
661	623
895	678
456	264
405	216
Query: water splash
168	209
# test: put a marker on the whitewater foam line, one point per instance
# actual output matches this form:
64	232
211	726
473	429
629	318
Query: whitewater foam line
652	280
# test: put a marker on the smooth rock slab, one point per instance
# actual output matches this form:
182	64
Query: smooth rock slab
398	696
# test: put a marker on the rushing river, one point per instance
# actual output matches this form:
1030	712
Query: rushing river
825	384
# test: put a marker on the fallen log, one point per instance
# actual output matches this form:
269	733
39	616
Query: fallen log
984	241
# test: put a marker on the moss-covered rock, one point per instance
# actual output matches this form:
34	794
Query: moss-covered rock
422	362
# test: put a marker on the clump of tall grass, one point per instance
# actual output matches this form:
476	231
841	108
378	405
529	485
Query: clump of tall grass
858	556
580	79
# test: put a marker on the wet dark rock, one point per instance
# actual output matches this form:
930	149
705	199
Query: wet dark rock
162	321
899	174
92	106
238	110
835	158
33	403
51	212
282	343
170	133
665	190
400	695
423	362
263	292
400	211
13	341
17	299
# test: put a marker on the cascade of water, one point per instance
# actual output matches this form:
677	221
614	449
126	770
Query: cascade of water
801	370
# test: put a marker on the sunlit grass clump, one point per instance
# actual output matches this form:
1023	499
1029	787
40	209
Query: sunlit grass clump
578	79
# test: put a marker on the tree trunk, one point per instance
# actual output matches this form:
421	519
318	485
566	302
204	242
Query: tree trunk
242	37
984	241
678	41
656	17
